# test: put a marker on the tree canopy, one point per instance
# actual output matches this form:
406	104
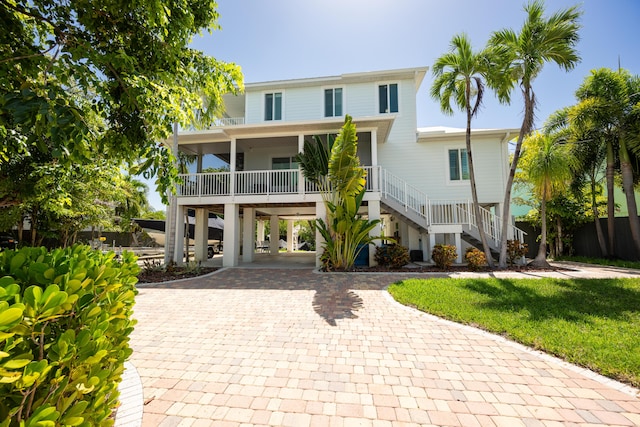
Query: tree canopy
80	79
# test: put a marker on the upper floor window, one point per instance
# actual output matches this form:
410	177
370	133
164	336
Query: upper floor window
388	98
273	106
458	164
333	102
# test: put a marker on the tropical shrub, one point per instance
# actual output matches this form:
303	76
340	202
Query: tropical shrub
476	259
393	256
444	256
65	319
335	168
516	250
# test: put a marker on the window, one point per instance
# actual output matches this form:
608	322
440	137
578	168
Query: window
280	163
333	102
273	106
458	165
388	98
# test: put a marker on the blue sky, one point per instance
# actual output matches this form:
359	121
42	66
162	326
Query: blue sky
285	39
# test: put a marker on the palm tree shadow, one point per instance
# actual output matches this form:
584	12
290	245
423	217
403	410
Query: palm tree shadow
335	302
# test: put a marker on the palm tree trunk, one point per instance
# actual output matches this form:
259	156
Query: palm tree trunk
560	248
611	205
527	123
596	216
474	190
627	185
541	259
506	204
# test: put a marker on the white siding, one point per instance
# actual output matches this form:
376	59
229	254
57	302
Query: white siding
302	104
361	100
254	107
260	157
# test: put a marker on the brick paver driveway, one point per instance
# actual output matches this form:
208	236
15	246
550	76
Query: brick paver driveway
296	348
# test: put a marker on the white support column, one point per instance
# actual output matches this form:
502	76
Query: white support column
179	236
231	235
290	243
432	244
458	247
248	232
232	166
426	255
199	162
201	238
301	181
274	235
374	147
374	213
260	233
321	213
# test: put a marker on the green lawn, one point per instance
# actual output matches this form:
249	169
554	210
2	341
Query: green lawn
602	261
589	322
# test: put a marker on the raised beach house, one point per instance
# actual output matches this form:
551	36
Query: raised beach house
417	180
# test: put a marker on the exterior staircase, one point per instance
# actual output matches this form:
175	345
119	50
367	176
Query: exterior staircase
409	203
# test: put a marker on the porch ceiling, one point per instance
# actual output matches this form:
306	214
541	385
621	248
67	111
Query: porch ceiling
216	141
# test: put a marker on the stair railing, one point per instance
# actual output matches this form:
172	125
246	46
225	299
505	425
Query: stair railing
439	212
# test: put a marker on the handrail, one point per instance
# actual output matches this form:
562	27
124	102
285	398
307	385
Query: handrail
411	200
228	121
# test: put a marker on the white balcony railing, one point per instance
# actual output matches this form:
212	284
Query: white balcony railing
403	196
228	121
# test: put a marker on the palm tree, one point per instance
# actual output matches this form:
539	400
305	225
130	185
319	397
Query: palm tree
607	108
548	166
460	75
540	40
590	153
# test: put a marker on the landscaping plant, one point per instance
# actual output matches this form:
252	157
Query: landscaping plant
336	170
475	258
65	320
516	250
392	256
444	256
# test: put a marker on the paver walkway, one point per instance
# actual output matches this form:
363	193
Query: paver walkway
297	348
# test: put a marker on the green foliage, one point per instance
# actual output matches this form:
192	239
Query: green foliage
341	182
516	250
393	256
593	323
65	318
112	79
444	256
476	259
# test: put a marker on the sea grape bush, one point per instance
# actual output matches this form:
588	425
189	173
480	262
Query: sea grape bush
65	320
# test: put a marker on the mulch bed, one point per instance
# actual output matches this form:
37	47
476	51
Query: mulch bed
413	268
157	276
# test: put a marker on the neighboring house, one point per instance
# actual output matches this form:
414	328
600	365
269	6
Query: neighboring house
417	180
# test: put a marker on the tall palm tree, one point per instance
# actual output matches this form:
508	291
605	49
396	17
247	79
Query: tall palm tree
540	40
460	77
548	165
608	107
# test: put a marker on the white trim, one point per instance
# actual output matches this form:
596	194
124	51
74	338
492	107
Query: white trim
448	181
377	96
322	100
